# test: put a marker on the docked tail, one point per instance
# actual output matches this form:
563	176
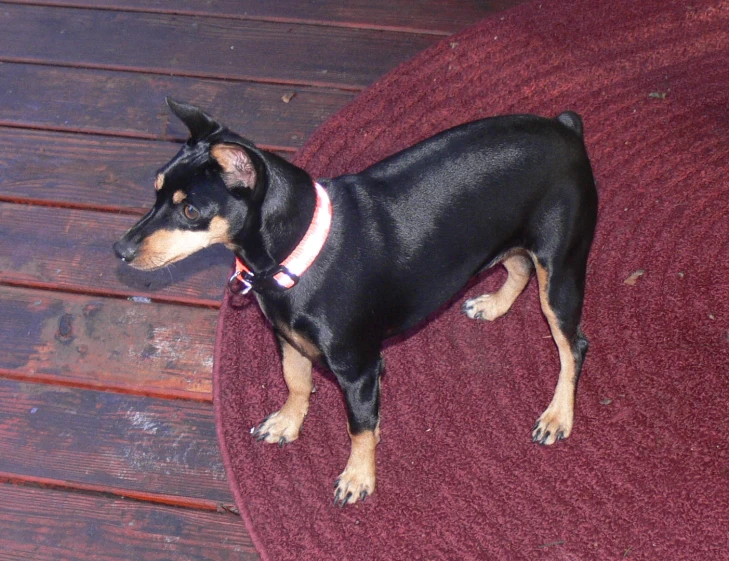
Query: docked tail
572	121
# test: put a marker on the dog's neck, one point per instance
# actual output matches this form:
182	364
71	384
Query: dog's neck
286	274
279	221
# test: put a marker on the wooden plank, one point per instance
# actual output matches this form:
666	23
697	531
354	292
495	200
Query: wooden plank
80	171
51	525
44	247
133	105
239	50
107	440
82	341
424	16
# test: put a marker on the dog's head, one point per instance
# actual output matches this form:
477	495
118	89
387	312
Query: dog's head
206	194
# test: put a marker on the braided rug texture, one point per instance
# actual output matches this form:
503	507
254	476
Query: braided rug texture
645	474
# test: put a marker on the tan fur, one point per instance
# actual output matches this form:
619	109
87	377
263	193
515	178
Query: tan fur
159	181
164	247
237	167
178	197
558	417
284	425
297	354
359	475
493	306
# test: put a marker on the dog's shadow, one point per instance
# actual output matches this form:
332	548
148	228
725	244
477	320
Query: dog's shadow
215	257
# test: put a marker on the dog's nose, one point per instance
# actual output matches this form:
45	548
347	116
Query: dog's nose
125	250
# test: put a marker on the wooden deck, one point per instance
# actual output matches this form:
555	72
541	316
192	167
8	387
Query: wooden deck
107	435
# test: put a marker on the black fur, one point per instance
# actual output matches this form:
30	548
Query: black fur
407	233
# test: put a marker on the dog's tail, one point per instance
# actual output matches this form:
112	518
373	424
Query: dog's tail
572	121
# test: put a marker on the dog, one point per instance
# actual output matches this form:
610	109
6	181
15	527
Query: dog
342	264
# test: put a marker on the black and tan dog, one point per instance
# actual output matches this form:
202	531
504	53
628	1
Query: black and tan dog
340	266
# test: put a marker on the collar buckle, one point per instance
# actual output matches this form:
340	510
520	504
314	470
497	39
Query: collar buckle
287	274
238	284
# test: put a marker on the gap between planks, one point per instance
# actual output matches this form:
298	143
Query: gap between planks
51	525
140	391
104	490
285	150
154	298
166	71
233	16
74	205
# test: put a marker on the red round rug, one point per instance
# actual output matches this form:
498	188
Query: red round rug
645	474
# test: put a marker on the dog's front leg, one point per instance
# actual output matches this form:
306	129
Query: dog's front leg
362	395
284	425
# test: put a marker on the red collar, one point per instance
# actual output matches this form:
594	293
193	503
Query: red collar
288	273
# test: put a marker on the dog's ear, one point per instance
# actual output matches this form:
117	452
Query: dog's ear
200	124
239	171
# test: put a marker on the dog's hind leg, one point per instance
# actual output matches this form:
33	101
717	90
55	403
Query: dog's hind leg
493	306
561	291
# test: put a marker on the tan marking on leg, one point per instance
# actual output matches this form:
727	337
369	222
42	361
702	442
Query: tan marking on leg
357	481
178	197
556	421
284	425
159	181
164	247
493	306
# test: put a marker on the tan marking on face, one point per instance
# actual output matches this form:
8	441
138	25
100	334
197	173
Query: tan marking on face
359	475
164	247
284	426
493	306
178	197
159	181
558	417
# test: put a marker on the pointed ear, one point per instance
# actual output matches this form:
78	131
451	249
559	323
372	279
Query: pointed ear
238	168
196	120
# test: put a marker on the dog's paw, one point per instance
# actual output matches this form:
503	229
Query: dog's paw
486	307
355	484
554	424
279	428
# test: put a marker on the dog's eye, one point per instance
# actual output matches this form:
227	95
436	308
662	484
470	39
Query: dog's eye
191	213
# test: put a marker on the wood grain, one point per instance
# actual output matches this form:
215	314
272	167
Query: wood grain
80	171
86	376
50	525
105	343
98	172
71	250
123	442
425	16
133	105
204	47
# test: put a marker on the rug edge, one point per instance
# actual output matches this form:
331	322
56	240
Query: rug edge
230	477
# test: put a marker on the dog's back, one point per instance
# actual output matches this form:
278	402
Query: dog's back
419	224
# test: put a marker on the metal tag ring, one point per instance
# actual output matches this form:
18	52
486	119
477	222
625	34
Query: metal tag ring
238	285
